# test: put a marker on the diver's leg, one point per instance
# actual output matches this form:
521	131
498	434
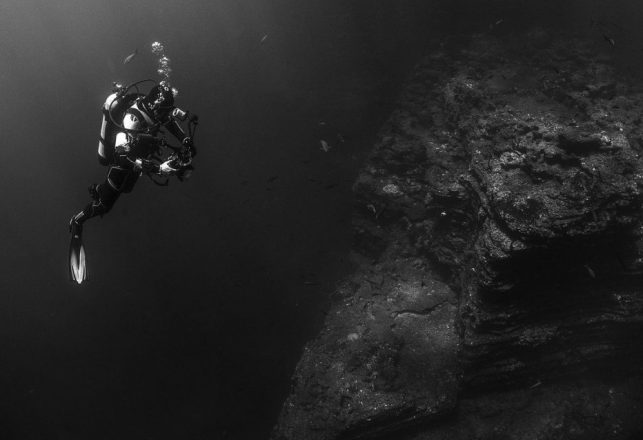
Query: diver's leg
103	198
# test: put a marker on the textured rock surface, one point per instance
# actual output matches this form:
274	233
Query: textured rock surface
498	227
394	327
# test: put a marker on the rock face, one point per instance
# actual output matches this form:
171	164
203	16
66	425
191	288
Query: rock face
498	290
395	328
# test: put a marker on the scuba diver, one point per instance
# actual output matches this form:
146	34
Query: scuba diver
132	143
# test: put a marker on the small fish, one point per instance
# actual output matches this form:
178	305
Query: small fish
498	22
609	40
264	38
324	146
130	57
537	384
590	271
272	178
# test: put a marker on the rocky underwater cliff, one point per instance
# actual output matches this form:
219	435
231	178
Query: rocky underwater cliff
498	289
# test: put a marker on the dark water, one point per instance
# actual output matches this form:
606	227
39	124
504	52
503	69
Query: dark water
202	294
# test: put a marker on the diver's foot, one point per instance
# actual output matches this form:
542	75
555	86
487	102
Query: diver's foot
75	228
77	259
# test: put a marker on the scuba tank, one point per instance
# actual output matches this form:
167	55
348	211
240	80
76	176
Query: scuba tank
113	111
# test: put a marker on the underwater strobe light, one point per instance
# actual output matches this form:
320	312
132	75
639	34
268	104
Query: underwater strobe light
164	70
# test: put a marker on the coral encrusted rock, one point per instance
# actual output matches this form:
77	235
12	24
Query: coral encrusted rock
498	290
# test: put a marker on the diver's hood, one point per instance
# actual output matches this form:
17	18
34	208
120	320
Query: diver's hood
159	113
160	99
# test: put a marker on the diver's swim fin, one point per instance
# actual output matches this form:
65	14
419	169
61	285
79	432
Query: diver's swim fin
77	262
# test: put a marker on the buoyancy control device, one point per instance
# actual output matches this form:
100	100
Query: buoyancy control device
113	111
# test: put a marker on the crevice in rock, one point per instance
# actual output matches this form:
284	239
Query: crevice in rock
424	312
500	214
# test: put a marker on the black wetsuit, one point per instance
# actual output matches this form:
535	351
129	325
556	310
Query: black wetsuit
124	172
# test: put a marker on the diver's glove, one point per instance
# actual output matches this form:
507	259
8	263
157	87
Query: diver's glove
165	169
147	166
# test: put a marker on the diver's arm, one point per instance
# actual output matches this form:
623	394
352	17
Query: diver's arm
174	127
125	158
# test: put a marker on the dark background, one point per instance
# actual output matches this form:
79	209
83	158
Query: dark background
202	294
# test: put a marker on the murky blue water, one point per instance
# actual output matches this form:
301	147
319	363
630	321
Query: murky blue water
201	294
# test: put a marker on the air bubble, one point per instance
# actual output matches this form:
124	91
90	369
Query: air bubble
157	48
164	70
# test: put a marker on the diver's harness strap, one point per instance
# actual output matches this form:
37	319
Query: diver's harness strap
102	141
150	125
122	94
181	156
